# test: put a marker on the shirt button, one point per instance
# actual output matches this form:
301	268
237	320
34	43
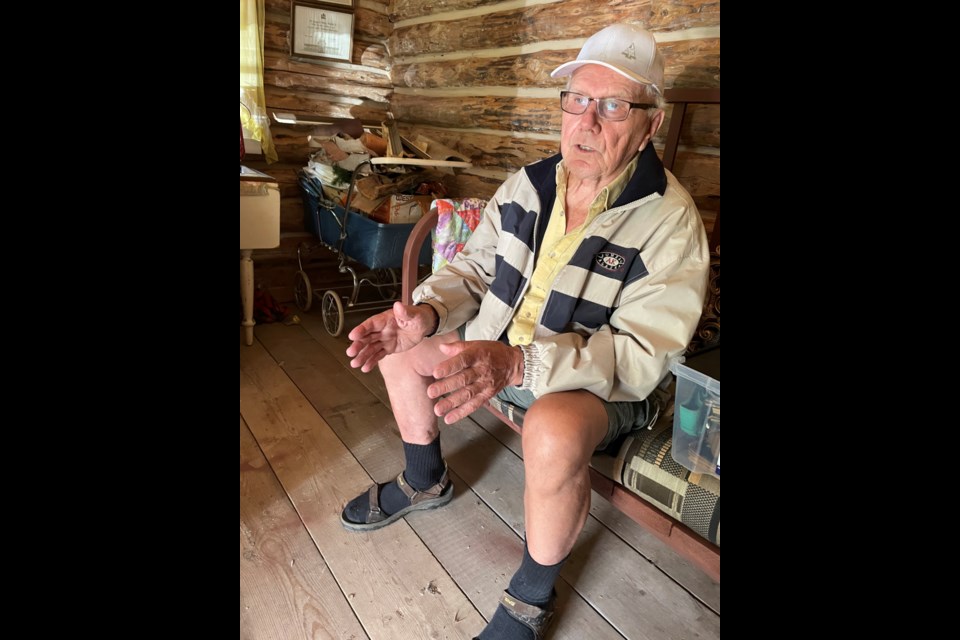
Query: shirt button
526	314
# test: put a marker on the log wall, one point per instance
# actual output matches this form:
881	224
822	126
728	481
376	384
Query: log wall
475	75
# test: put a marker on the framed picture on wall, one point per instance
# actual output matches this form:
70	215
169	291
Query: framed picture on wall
321	32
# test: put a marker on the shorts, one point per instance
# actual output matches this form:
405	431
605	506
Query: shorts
622	417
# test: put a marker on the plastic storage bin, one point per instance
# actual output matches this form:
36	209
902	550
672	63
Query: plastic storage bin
377	245
696	416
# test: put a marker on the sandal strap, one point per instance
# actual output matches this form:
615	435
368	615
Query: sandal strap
427	494
374	513
532	617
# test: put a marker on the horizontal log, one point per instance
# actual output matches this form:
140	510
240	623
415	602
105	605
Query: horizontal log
515	27
527	70
484	112
694	63
404	9
554	21
691	63
673	15
341	84
304	102
281	62
668	14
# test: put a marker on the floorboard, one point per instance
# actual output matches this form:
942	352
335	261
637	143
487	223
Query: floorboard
286	588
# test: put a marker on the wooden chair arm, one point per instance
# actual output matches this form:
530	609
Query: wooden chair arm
410	268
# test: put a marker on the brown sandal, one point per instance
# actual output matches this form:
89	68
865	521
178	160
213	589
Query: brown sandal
534	618
436	496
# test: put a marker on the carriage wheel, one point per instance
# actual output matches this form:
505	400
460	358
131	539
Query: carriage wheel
332	311
302	291
387	277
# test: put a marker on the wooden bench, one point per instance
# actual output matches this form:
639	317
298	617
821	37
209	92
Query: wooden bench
674	533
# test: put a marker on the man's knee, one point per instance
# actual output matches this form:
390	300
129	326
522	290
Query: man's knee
567	423
420	360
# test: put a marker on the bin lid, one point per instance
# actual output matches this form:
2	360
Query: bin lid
706	362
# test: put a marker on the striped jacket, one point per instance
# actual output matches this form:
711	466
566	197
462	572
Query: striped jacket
628	300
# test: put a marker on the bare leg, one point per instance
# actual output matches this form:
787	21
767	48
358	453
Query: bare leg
560	433
407	376
422	484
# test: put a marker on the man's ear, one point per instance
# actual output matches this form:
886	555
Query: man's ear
655	123
652	127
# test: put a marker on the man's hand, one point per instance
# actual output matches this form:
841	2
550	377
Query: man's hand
392	331
478	370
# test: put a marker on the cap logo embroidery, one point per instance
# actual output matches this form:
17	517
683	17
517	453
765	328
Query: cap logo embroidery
610	261
630	53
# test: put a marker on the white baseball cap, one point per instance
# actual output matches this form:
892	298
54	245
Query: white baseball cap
627	49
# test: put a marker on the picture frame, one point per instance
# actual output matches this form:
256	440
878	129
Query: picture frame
321	32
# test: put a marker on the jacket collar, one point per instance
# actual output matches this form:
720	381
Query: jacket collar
649	177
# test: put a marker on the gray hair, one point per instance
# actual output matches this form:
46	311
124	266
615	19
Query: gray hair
651	95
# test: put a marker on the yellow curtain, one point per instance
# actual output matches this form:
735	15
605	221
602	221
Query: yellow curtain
253	104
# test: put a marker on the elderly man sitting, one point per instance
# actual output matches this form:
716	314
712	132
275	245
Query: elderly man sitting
585	276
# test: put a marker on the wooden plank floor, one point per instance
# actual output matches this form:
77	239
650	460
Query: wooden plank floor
315	433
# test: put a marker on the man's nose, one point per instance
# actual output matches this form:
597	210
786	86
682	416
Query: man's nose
590	118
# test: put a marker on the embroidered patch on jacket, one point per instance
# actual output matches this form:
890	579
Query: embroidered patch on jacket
610	261
629	53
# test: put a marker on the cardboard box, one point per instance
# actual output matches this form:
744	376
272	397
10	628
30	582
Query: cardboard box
402	209
364	205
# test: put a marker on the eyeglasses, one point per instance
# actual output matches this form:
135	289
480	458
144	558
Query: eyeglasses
607	108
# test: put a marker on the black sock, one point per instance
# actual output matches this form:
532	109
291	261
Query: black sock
424	464
532	583
424	469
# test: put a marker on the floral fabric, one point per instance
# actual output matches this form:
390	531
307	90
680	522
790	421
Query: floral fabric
455	224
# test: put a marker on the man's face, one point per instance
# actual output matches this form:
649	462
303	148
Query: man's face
598	149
